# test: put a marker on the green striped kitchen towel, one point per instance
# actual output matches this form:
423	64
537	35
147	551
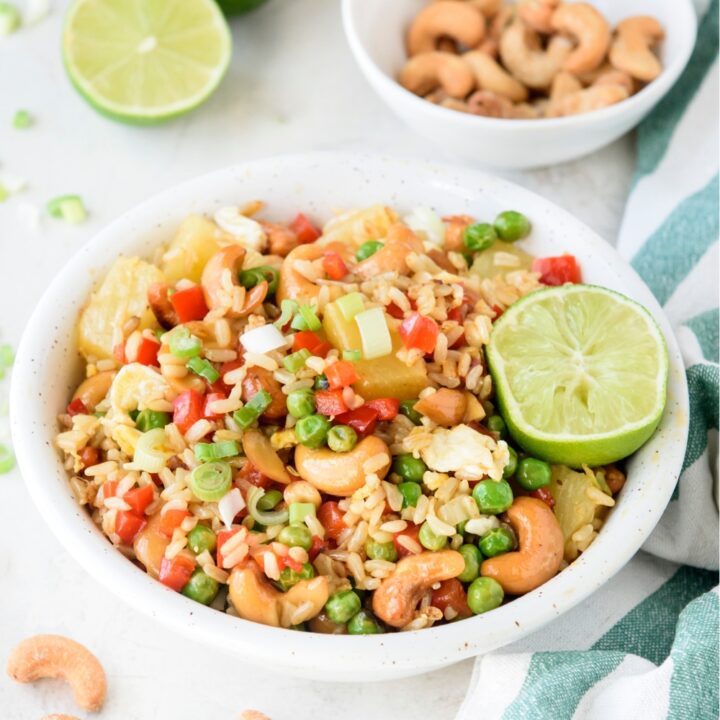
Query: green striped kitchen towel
645	646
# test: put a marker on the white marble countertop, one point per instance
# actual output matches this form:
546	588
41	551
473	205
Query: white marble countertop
292	87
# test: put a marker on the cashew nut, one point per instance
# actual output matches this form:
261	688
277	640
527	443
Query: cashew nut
631	51
489	75
150	544
92	391
590	30
395	600
301	491
54	656
262	455
255	599
616	77
423	73
538	14
340	474
540	548
489	104
257	379
392	257
294	285
161	306
522	55
593	98
563	85
447	19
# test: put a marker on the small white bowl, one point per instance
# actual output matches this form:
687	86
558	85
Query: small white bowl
48	367
376	32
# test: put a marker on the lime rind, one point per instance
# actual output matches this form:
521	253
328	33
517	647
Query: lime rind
580	374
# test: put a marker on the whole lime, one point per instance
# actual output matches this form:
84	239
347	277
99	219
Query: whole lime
237	7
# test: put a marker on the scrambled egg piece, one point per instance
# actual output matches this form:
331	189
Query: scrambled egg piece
135	386
466	452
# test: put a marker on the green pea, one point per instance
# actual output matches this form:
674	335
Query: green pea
484	594
151	419
341	606
296	536
381	551
341	438
533	473
428	539
312	430
201	588
473	558
407	408
497	541
493	496
411	492
511	467
321	382
480	236
497	425
269	500
201	538
289	577
301	403
367	249
409	468
511	226
363	623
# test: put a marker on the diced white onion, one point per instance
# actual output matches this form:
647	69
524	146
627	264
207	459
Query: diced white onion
263	339
248	232
428	223
230	505
479	526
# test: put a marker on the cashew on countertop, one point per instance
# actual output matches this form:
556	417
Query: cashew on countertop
528	60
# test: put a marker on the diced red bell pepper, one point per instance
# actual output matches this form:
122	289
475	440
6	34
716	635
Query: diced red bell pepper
109	488
557	270
147	352
189	304
334	266
188	408
331	518
418	331
330	402
394	311
451	594
362	420
411	531
308	340
139	498
250	473
304	229
209	399
128	525
387	408
317	546
545	495
341	374
286	561
171	519
77	407
175	573
222	537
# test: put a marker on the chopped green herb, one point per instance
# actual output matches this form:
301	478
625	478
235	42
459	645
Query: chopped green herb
69	208
22	120
203	368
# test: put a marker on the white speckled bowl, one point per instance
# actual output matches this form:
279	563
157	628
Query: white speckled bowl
48	367
376	33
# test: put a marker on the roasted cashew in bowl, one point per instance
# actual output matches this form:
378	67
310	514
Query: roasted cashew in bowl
588	100
537	14
94	390
540	548
55	656
490	75
589	29
395	600
452	19
341	473
631	50
424	73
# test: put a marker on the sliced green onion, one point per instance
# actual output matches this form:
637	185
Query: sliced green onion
374	333
298	323
288	308
207	452
352	355
252	409
151	419
350	305
312	321
271	517
69	208
294	362
298	511
254	276
151	451
4	193
209	482
7	459
203	368
7	356
269	500
9	18
22	120
183	344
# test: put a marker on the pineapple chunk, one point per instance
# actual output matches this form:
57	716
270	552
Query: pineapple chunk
499	259
196	241
381	377
355	227
123	294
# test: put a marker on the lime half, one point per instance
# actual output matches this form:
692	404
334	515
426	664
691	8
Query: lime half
145	61
580	374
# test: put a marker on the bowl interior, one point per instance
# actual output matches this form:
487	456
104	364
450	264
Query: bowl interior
48	365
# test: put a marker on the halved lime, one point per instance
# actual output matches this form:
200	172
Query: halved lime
145	61
580	374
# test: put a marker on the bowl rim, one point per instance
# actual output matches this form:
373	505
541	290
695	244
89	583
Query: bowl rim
396	652
651	93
